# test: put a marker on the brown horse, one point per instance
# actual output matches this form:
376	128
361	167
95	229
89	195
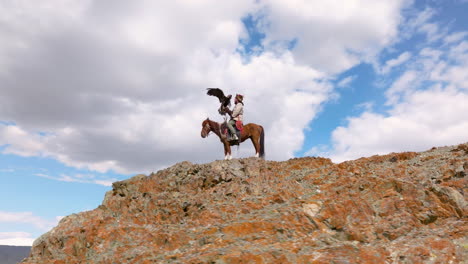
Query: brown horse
253	131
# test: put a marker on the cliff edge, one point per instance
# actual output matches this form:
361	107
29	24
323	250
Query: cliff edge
397	208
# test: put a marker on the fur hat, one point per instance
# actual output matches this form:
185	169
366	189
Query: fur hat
239	97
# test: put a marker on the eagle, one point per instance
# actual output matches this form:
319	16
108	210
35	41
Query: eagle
224	100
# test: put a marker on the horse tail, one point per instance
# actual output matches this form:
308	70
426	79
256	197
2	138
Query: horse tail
262	143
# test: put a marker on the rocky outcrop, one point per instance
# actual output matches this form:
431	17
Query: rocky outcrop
398	208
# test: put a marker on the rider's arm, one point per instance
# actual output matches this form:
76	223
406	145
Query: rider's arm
227	110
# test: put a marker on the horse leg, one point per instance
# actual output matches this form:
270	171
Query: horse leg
261	142
257	138
227	151
256	145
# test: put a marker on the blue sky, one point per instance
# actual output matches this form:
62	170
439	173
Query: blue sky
92	92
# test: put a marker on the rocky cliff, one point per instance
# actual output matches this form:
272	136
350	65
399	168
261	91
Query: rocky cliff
398	208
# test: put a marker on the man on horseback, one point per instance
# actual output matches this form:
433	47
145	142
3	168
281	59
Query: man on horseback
251	131
237	115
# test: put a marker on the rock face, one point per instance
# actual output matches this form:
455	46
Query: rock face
398	208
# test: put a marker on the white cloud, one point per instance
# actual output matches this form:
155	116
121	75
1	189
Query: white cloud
81	178
455	37
25	144
367	106
423	121
454	70
404	85
27	218
432	31
170	130
402	58
428	106
124	84
16	239
417	21
345	82
333	35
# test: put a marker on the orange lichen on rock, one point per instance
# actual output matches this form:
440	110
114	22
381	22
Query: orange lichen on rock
397	208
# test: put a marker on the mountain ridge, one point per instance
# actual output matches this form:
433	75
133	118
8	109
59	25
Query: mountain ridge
13	254
397	208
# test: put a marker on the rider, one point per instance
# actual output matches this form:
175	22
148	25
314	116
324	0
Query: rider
237	114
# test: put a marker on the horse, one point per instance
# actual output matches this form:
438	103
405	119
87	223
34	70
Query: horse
253	131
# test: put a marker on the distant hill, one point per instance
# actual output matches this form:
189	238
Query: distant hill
13	254
398	208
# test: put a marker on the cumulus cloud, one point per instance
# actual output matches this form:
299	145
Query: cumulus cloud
121	85
427	107
423	121
158	135
333	35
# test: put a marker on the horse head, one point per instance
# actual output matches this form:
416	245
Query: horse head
206	128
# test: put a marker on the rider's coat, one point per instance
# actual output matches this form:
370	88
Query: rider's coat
238	112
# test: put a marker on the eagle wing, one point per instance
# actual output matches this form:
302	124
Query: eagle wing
218	93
